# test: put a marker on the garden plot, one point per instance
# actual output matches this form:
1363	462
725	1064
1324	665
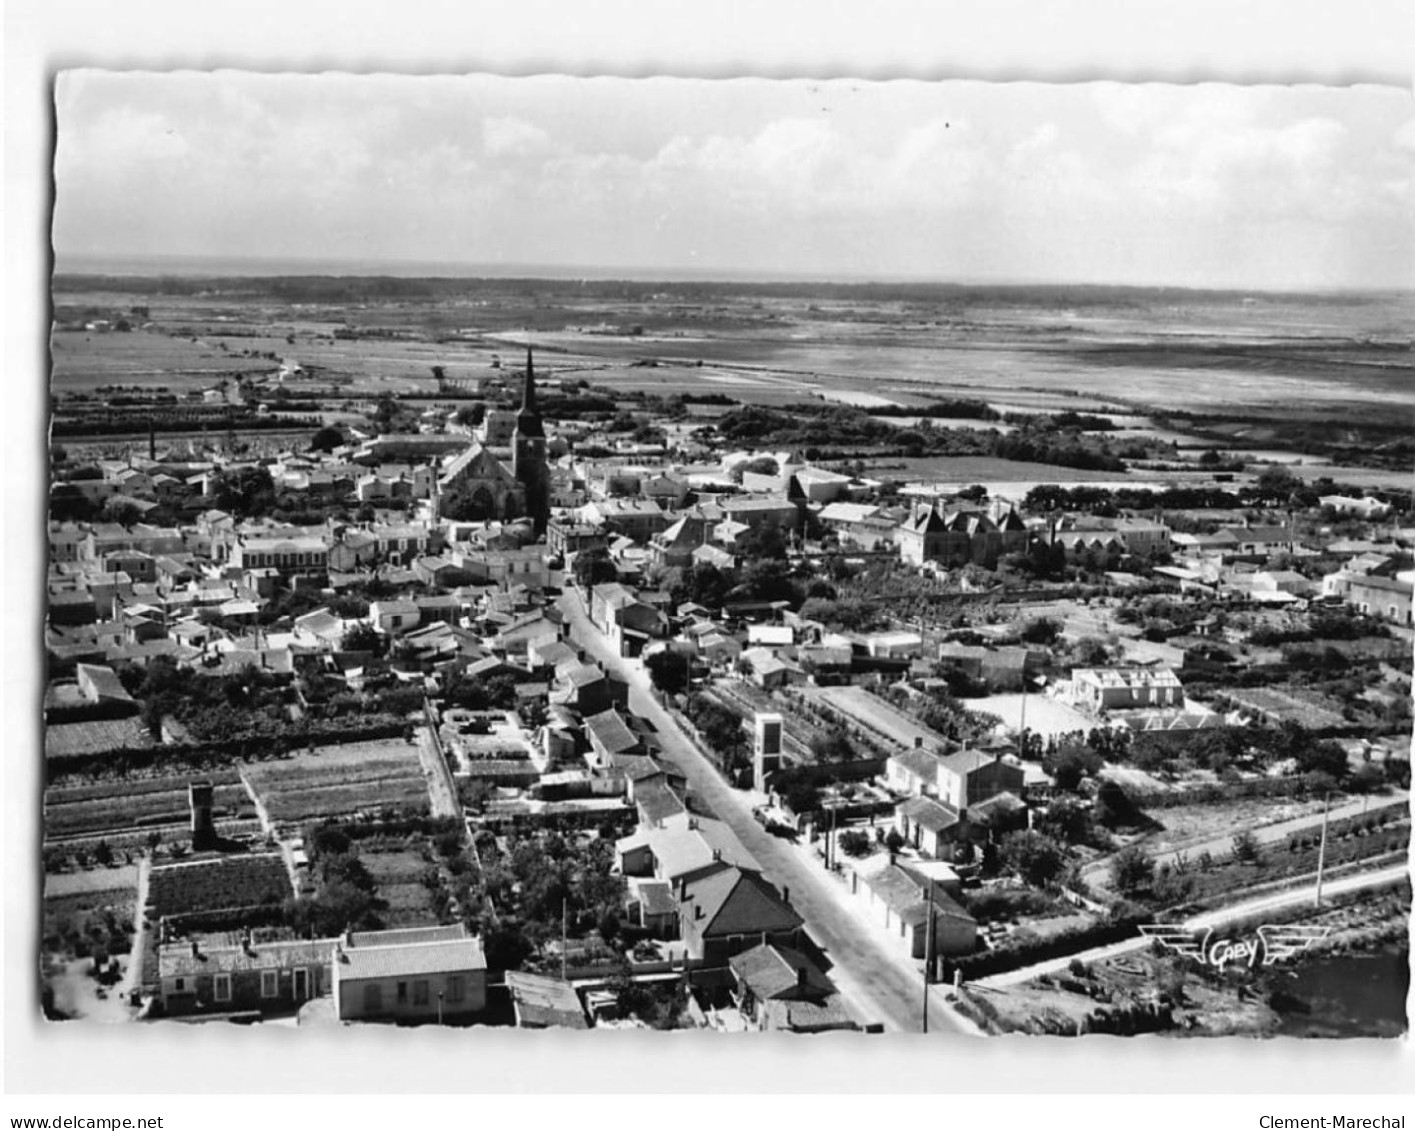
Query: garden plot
79	922
336	781
122	805
220	884
405	884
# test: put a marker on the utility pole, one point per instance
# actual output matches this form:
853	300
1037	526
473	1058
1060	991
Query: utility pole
1322	851
564	934
928	954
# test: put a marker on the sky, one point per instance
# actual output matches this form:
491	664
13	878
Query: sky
1210	185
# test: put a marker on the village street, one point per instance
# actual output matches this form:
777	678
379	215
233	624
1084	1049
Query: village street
879	984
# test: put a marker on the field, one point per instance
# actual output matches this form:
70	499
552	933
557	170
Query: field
1045	715
219	884
121	805
399	874
340	780
77	922
1022	348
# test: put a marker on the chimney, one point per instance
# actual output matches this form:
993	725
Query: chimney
348	939
785	895
801	977
196	951
918	742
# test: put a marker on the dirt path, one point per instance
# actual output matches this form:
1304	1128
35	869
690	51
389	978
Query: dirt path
442	790
133	974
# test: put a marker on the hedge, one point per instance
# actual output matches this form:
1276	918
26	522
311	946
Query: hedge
1013	957
182	756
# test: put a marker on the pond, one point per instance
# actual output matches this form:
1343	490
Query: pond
1353	995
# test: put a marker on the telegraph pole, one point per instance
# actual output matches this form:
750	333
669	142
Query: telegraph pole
1322	850
928	954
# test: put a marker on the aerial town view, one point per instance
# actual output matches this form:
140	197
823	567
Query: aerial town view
937	625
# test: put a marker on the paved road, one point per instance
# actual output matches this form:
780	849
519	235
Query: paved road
1098	871
1236	912
878	983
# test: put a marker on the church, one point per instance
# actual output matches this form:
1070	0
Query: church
480	486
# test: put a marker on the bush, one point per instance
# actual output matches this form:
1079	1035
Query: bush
1131	870
1245	847
854	843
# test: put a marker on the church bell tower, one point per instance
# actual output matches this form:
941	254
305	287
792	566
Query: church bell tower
528	462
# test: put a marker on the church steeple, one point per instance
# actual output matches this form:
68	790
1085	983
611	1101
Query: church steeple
528	460
528	419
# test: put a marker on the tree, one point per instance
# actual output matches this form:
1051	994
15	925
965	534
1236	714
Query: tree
1036	858
125	514
1070	764
833	746
1068	820
593	567
364	638
761	465
1131	870
1245	847
669	671
855	843
326	440
1041	630
1114	808
1091	653
246	493
1276	483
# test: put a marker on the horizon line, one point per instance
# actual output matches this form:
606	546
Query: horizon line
146	265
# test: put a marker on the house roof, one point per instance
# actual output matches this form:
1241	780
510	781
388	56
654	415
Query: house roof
780	972
655	897
966	761
611	731
735	901
929	813
543	1002
176	960
656	801
807	1016
409	953
906	894
921	763
684	847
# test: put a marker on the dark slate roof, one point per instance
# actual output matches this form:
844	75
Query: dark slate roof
739	902
780	972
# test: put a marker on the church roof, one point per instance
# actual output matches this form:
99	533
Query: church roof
476	462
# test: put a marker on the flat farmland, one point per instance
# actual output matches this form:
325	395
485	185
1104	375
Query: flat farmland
1022	347
990	469
340	780
218	884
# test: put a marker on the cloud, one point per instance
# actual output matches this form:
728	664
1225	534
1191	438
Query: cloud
513	137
